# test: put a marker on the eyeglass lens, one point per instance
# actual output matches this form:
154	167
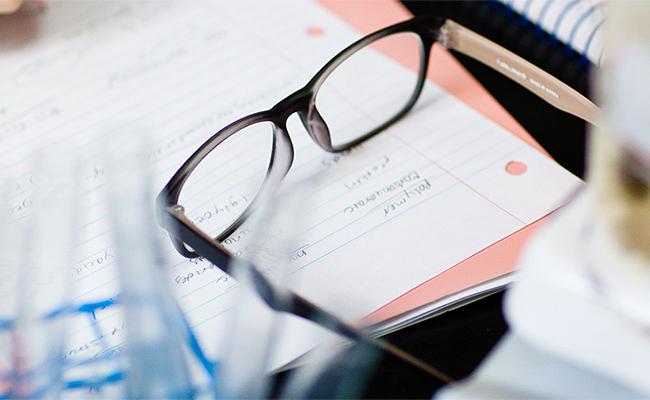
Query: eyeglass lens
358	97
354	99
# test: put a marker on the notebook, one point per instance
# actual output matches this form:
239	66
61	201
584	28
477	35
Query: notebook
576	23
183	72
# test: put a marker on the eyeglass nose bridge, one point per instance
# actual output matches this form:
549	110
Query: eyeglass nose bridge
302	102
316	127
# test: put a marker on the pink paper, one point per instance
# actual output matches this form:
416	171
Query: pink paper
495	260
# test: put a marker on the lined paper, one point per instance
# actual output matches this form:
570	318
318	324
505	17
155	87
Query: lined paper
390	214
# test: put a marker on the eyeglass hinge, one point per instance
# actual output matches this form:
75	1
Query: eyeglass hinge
177	209
445	35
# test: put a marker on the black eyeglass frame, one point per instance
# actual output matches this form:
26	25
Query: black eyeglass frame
301	102
429	29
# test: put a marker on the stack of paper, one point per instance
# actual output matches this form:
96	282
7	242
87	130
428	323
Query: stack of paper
185	70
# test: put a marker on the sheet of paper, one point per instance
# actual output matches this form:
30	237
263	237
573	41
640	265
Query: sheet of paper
404	207
443	305
494	261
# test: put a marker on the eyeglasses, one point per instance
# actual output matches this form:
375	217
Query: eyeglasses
344	104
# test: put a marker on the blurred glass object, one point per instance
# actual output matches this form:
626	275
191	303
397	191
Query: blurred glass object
157	366
338	367
35	265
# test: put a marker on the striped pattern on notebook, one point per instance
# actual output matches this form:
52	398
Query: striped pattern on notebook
577	23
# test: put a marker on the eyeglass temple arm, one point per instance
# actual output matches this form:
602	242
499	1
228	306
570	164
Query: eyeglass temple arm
555	92
279	298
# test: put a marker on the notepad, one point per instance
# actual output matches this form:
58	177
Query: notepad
436	188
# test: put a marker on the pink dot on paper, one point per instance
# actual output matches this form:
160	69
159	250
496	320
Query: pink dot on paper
315	31
516	167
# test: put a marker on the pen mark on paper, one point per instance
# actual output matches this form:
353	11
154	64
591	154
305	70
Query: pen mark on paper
182	279
95	343
93	263
28	122
366	175
379	194
233	204
407	194
331	160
